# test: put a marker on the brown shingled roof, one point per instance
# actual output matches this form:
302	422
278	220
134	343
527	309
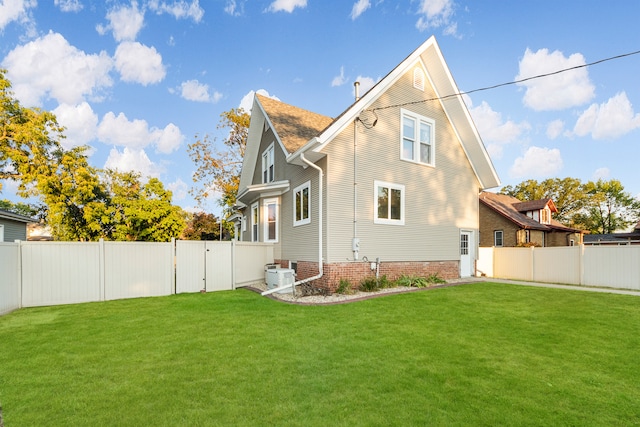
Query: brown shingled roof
535	205
294	126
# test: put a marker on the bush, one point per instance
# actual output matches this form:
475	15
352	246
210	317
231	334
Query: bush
369	284
344	288
418	281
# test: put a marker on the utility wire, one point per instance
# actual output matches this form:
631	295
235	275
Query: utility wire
439	98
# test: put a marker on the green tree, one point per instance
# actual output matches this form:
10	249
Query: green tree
19	208
567	194
219	170
610	208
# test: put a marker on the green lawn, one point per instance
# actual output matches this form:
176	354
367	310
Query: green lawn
481	354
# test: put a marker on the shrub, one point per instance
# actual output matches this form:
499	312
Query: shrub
418	281
369	284
344	288
435	279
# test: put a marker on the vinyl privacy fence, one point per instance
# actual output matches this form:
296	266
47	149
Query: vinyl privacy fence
50	273
602	266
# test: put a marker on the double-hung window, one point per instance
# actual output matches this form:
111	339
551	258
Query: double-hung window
301	204
267	165
388	203
270	208
418	141
255	221
498	238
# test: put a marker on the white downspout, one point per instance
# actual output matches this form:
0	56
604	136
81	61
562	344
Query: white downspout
320	269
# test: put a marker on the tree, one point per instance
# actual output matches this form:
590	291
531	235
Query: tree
610	208
567	194
202	226
19	208
219	170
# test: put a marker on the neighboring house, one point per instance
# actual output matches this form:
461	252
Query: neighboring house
13	226
632	238
507	221
390	186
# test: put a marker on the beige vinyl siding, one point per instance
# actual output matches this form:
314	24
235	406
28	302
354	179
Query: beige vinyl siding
439	201
301	242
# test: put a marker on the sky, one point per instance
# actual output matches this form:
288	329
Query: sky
137	81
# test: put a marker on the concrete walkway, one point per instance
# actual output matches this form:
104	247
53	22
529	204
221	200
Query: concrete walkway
554	285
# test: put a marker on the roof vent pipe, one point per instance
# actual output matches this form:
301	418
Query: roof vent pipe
356	85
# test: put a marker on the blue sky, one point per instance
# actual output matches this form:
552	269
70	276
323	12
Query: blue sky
137	81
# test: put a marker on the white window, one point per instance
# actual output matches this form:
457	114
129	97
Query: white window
301	204
388	203
1	232
267	165
546	215
270	208
255	220
418	141
498	238
418	78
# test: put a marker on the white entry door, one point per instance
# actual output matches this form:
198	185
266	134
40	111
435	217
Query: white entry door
467	246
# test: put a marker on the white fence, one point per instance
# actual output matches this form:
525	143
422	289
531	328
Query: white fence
603	266
49	273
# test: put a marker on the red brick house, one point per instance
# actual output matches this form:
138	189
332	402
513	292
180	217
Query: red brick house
507	222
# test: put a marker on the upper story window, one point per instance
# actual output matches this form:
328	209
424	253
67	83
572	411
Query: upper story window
267	165
388	203
546	215
418	78
301	205
498	238
418	142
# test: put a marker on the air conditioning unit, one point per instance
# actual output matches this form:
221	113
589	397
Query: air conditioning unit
279	277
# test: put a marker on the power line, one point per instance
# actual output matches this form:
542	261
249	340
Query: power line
439	98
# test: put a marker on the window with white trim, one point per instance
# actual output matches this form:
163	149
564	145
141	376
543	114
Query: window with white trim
268	174
255	221
498	238
546	215
301	204
417	139
1	232
388	203
418	78
270	208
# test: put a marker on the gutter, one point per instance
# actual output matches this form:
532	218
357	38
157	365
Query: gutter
320	206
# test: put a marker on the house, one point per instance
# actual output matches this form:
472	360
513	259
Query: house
508	221
616	239
388	187
13	226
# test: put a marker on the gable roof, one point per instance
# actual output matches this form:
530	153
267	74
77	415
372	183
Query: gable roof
300	131
15	217
293	126
511	208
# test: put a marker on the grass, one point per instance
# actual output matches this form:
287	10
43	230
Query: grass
481	354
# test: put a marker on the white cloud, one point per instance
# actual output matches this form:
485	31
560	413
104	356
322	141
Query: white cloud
233	9
50	66
609	120
436	14
193	90
366	83
80	122
537	162
601	173
494	131
168	139
559	91
180	9
69	5
286	5
359	7
139	63
135	160
247	101
340	79
125	22
135	134
15	10
554	129
179	189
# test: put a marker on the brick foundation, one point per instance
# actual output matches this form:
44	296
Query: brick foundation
356	271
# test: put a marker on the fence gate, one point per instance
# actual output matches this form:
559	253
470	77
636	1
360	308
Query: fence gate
203	266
